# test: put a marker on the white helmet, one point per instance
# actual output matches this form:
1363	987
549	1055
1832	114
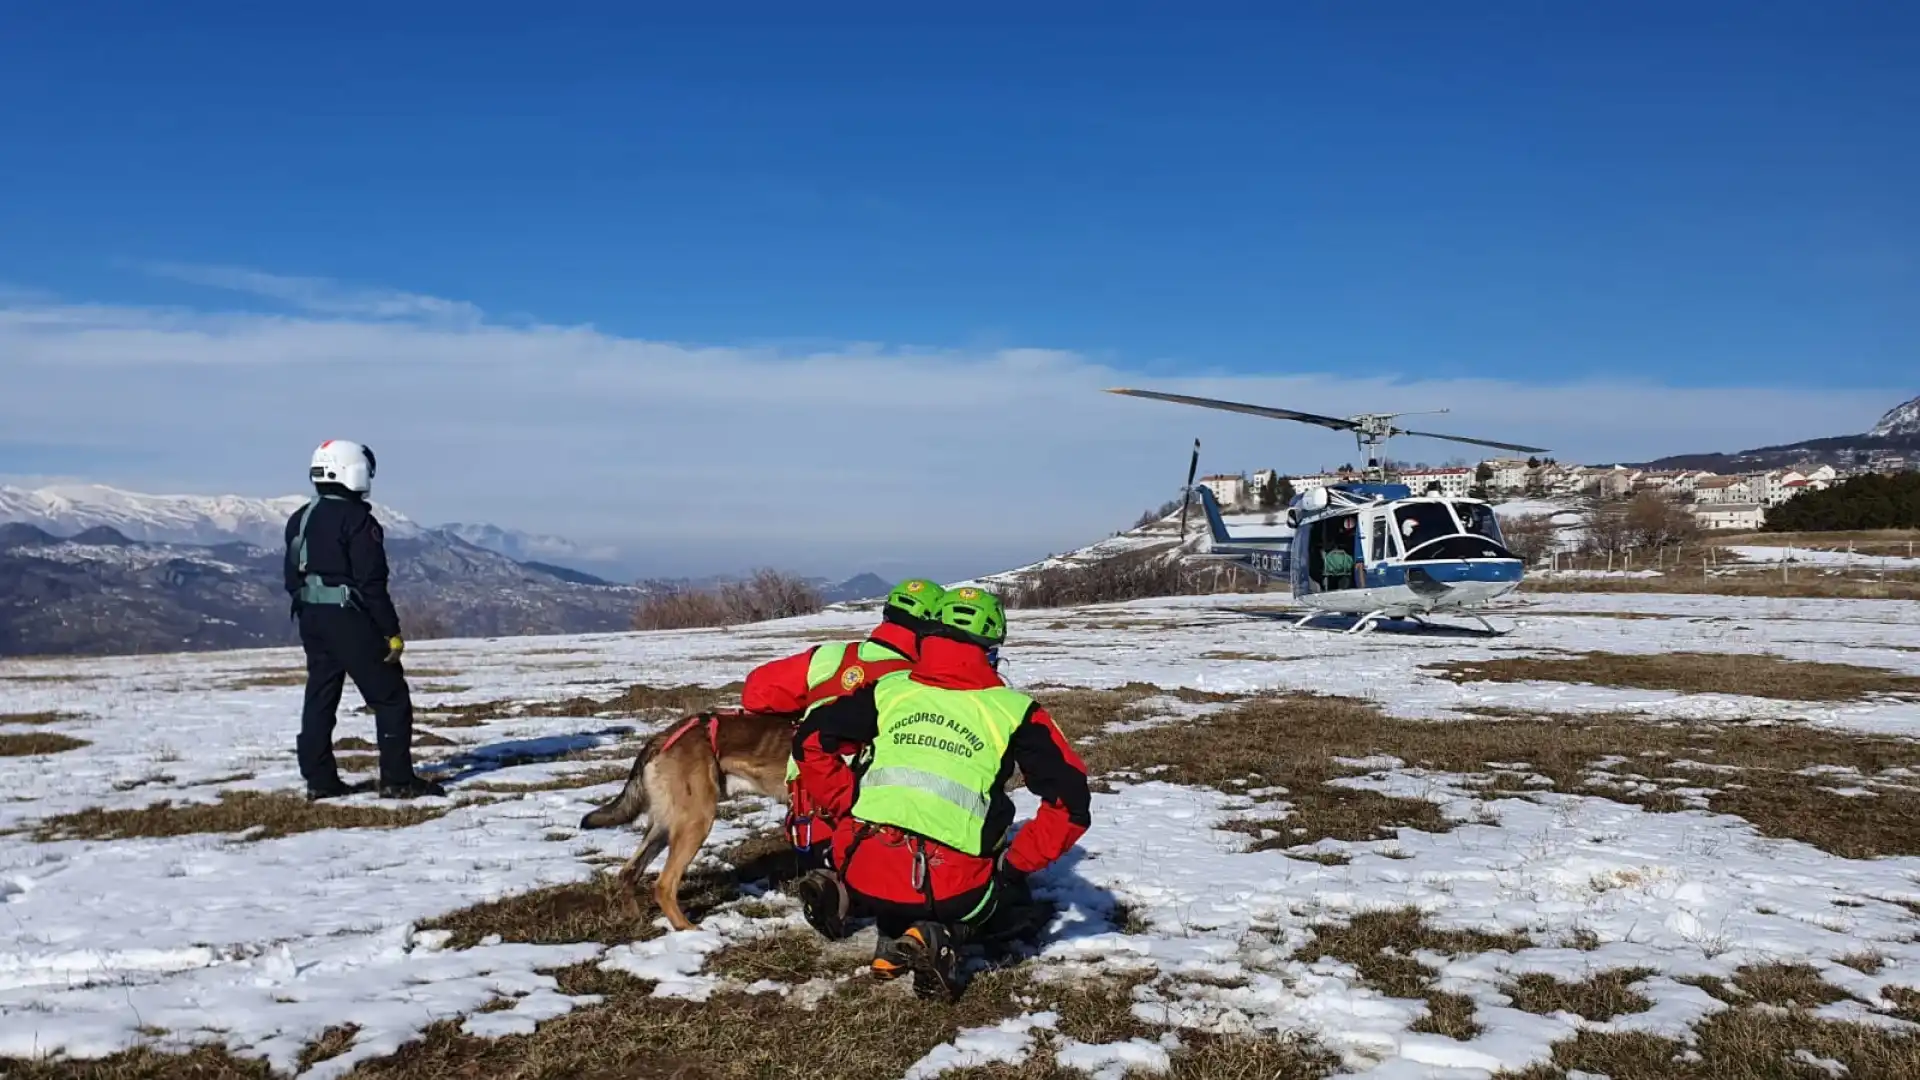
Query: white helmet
348	464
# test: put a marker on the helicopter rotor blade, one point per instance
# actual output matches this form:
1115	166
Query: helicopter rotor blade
1477	442
1267	411
1186	501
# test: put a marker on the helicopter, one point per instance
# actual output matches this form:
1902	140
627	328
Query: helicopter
1413	555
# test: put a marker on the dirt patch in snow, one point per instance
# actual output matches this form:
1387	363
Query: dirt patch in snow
1381	946
36	718
255	815
38	742
1691	673
1788	780
1751	1042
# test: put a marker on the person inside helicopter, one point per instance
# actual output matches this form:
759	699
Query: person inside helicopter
1478	519
1421	523
1336	551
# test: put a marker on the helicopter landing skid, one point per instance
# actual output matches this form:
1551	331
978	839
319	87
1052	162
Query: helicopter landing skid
1371	621
1366	624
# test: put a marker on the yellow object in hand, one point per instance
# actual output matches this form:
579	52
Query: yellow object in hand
394	648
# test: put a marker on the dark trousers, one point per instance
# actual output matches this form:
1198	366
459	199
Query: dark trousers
892	918
342	643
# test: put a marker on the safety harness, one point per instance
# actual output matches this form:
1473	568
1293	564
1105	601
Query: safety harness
712	720
313	588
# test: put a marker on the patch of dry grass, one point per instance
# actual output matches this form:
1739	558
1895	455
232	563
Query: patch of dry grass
270	814
1082	713
790	956
1691	673
1745	1043
331	1044
1600	996
266	678
636	700
555	915
594	910
1381	946
201	1063
37	717
1292	740
1866	961
38	742
1786	986
1321	813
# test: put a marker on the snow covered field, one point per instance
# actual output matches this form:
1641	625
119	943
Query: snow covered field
265	943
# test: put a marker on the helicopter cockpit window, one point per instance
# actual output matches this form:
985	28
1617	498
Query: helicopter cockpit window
1382	540
1478	519
1423	522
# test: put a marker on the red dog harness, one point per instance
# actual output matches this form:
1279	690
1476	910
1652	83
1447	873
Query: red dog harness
712	721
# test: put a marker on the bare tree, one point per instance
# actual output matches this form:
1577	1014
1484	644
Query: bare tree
1530	536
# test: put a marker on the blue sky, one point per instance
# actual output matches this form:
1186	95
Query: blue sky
1484	204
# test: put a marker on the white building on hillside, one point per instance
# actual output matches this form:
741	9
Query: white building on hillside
1610	483
1723	489
1744	517
1775	487
1227	490
1261	478
1453	482
1508	474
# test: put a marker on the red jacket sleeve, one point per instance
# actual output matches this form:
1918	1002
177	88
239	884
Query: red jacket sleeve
778	686
1055	773
842	726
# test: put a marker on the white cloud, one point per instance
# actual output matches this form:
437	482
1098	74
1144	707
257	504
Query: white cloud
705	456
320	295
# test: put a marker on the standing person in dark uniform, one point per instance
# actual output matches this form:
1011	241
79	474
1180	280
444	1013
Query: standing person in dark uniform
336	571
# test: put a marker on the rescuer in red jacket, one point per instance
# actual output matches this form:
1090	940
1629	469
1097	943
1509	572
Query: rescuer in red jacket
797	684
921	840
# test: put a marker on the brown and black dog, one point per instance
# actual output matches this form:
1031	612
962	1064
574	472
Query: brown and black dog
678	782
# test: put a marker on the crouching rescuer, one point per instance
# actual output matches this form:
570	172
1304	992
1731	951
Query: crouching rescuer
920	844
800	684
336	572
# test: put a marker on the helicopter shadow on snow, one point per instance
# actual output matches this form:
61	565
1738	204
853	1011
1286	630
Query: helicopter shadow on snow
1333	622
492	757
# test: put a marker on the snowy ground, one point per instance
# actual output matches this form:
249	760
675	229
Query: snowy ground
1825	558
264	944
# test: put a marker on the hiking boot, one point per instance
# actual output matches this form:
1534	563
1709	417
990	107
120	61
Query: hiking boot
327	789
413	787
927	950
824	903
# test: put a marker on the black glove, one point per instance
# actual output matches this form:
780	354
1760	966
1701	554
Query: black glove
1010	877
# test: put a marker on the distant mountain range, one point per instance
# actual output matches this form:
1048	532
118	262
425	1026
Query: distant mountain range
95	570
1898	432
101	592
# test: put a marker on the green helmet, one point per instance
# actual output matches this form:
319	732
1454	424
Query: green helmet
915	598
973	615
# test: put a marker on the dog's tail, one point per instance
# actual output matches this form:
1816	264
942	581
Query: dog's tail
632	800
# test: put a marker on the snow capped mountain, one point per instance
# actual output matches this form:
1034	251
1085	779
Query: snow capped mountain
168	519
528	547
1901	420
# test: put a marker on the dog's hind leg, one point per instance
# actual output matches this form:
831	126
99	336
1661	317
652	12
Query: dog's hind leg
629	878
694	805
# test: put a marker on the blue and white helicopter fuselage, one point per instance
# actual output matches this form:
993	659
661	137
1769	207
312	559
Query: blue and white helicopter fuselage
1377	551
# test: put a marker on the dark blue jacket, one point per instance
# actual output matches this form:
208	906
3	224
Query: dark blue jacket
345	546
